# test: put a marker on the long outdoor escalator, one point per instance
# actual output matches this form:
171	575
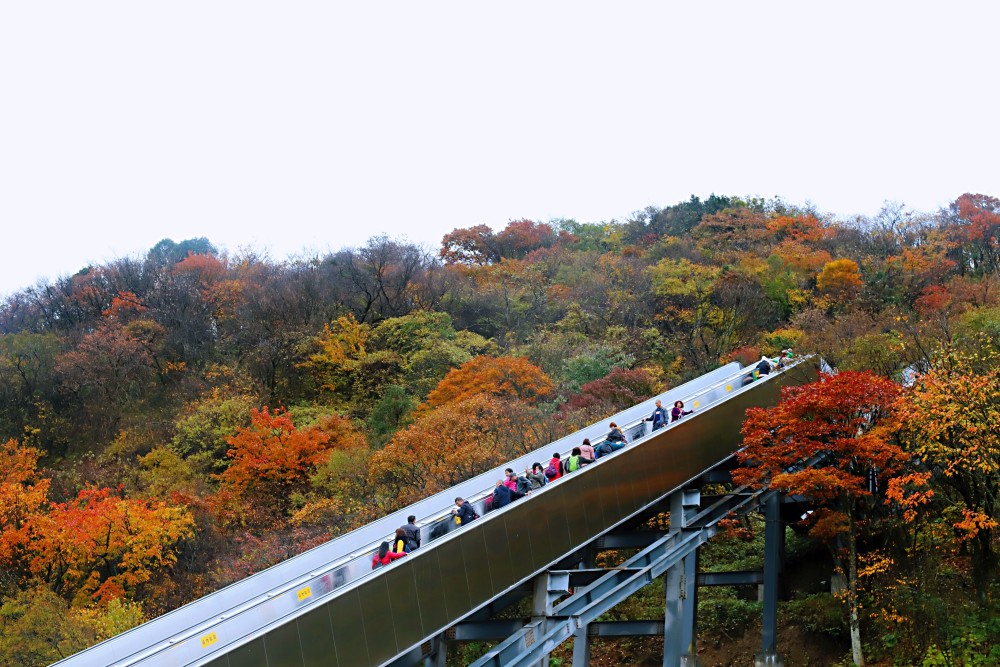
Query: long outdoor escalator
327	607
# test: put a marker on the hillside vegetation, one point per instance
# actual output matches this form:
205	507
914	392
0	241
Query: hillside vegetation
174	422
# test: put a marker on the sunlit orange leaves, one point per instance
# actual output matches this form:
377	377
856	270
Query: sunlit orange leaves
271	459
453	443
22	497
104	546
910	492
509	377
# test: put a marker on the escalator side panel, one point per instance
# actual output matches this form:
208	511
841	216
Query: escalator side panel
454	582
403	599
252	654
428	572
522	557
500	547
476	562
349	629
380	626
316	636
283	646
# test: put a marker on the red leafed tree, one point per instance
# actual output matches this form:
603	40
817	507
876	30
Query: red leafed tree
846	419
271	460
510	377
473	245
616	391
520	237
979	232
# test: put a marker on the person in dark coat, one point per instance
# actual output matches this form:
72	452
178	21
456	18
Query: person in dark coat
412	533
615	434
463	512
502	496
659	416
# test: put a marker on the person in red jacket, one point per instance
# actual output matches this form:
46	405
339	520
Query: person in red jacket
554	469
384	556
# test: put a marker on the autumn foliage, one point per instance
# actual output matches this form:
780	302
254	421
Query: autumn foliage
271	460
127	390
502	377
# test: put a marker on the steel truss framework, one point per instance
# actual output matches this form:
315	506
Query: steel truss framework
568	602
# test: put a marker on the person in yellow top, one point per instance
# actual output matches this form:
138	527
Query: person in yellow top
399	542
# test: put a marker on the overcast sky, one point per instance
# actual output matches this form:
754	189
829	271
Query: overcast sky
287	126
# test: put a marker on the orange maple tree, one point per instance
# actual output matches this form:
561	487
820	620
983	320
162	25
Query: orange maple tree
22	497
845	422
510	377
951	418
271	459
453	443
104	546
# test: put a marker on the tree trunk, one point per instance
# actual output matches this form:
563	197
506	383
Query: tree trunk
852	595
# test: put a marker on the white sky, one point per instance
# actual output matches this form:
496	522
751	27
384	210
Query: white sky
314	125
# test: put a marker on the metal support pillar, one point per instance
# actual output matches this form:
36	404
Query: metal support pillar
439	653
581	647
689	611
774	542
581	638
549	586
681	591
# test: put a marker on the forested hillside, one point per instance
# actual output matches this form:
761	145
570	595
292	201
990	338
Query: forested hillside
176	421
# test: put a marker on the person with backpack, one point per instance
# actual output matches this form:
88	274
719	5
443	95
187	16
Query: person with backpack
536	476
659	416
384	556
554	470
412	533
463	512
575	461
398	545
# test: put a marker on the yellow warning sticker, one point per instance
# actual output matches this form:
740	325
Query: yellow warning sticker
209	639
729	387
697	404
304	593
